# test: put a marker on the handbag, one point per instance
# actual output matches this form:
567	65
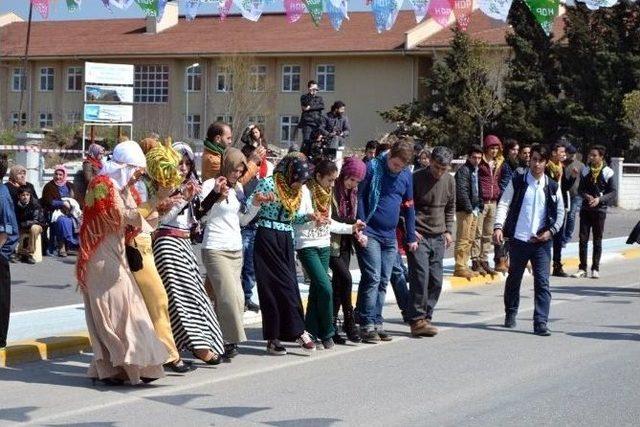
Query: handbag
134	258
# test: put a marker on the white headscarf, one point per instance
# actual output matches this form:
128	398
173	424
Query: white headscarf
126	158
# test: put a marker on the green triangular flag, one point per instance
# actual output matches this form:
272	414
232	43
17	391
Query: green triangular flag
315	8
545	12
149	7
73	5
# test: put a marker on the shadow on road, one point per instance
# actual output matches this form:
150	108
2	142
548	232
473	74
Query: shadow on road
607	336
597	291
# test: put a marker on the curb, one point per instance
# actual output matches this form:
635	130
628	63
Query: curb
78	342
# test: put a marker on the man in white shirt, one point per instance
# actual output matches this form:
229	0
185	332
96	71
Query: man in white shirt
530	213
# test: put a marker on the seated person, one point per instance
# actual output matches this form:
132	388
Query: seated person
30	221
52	202
17	180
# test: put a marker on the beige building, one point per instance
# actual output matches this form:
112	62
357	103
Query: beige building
370	72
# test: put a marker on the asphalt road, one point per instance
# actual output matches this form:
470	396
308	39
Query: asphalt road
52	282
473	373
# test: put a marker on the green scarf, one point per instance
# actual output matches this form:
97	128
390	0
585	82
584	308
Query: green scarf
214	147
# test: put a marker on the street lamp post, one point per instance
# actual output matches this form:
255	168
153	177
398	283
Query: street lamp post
186	107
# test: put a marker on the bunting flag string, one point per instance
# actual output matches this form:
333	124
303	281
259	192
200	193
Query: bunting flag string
315	8
545	12
462	10
420	9
440	10
294	9
42	6
385	12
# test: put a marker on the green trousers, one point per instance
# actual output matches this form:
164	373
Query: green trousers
319	316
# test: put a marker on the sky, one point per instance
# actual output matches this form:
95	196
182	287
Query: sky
94	9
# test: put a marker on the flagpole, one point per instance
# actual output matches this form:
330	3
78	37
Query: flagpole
23	72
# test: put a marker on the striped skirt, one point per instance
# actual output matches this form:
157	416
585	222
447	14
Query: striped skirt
193	320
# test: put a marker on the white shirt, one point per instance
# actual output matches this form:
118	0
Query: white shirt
309	235
222	232
533	209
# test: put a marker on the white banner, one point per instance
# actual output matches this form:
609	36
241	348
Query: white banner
108	113
115	74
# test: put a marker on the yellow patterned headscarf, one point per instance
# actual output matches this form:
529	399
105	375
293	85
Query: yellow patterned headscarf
294	167
162	165
320	196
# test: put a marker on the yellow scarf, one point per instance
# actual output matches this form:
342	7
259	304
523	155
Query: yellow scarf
320	196
595	172
289	198
555	170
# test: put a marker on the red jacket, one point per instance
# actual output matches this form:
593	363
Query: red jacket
490	179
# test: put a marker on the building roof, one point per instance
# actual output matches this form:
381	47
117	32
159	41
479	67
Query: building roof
485	29
204	36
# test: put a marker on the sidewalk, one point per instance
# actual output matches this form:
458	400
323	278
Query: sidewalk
57	331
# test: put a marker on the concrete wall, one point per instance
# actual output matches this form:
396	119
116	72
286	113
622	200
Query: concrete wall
365	84
627	180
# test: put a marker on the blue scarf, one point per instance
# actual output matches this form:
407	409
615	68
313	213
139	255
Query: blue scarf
379	168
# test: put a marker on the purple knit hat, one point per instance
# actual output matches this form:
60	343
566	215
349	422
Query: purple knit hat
353	167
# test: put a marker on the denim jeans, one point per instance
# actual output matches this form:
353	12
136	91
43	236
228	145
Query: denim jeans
248	274
570	225
399	276
376	262
540	256
425	273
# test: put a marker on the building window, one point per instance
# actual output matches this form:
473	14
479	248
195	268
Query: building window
151	84
326	78
74	117
291	78
193	126
46	120
256	120
258	78
14	119
19	81
74	79
225	119
194	79
46	79
288	125
225	79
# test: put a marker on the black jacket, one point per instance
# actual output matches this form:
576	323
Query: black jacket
604	188
29	215
465	202
312	116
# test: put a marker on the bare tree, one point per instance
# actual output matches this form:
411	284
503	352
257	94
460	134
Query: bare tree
249	92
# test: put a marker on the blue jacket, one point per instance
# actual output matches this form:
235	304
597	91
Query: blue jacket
396	194
8	222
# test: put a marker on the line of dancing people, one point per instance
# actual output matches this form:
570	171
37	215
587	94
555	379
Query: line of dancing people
146	300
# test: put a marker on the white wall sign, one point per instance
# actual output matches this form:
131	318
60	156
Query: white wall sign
116	74
108	113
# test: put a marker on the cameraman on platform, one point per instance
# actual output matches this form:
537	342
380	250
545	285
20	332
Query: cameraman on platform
311	119
336	125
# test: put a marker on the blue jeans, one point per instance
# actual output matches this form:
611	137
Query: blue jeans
540	256
399	275
376	262
570	225
248	274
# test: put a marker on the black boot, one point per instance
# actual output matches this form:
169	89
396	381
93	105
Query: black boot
337	338
558	271
349	326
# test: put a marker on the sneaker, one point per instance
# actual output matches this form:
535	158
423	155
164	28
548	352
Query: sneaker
370	336
306	342
62	253
541	330
251	306
510	322
595	274
558	271
328	344
581	274
276	348
384	336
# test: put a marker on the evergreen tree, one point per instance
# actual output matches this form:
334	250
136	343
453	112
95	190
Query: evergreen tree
531	85
463	99
600	65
